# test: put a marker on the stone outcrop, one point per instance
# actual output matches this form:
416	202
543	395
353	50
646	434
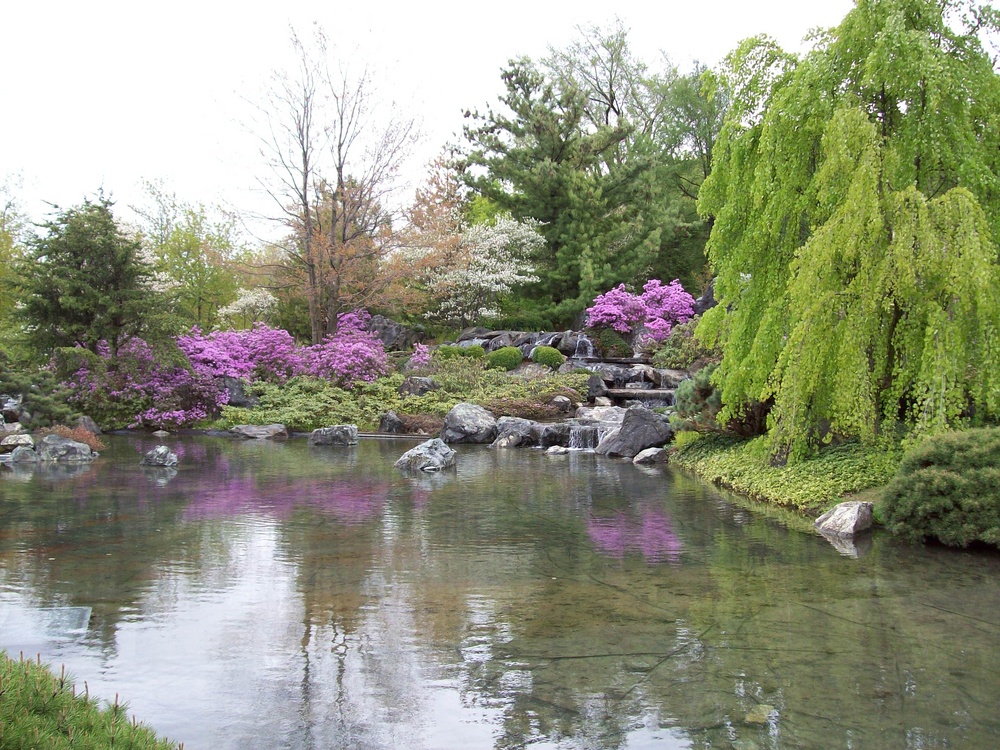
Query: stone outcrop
238	395
468	423
845	520
640	429
259	431
390	423
431	455
160	456
63	450
88	424
417	386
395	336
340	434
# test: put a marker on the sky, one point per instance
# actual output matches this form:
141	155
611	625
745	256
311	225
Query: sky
105	95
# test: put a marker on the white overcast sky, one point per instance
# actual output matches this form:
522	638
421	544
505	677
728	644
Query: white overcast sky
107	94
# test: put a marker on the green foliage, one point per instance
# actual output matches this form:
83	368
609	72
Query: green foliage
44	396
681	350
610	343
607	155
697	401
856	207
449	351
41	710
548	356
813	484
85	281
302	404
504	358
947	488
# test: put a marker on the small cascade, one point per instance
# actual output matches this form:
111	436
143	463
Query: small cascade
584	346
583	437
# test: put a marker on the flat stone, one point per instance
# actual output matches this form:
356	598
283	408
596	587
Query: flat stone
341	434
259	432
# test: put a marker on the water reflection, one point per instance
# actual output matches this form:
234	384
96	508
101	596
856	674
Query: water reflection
278	595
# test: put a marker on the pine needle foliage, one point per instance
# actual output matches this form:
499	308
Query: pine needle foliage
856	197
41	710
947	488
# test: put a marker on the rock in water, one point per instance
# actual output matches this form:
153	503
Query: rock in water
259	432
340	434
641	428
159	456
63	450
431	455
846	519
469	423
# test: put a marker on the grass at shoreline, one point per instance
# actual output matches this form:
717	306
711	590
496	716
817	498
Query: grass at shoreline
811	486
39	709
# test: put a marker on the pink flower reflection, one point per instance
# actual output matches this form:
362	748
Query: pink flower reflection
650	535
349	502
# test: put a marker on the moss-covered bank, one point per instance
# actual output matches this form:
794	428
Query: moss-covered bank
812	485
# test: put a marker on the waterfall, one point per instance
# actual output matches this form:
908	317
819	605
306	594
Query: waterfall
584	346
583	437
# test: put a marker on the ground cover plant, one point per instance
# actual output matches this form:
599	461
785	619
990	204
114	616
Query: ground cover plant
41	710
947	488
812	485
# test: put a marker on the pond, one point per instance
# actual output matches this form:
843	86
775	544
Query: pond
281	595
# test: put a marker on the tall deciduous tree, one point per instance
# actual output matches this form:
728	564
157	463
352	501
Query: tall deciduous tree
335	156
856	197
85	281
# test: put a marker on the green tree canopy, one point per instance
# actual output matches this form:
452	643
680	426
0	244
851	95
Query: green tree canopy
84	281
856	202
588	144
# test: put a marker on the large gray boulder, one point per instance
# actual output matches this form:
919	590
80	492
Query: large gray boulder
640	429
63	450
468	423
24	455
395	336
238	395
514	432
259	431
88	424
845	520
390	423
340	434
431	455
161	455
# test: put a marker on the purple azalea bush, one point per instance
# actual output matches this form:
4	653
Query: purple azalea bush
657	309
174	389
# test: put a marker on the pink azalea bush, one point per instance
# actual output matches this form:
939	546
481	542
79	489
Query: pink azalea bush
174	389
657	309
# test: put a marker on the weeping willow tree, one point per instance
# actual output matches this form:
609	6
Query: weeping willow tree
856	204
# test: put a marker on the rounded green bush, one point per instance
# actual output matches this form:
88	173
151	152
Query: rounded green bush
504	358
947	488
548	356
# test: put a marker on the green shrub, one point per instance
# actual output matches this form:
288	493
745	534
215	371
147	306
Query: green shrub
548	356
450	351
947	488
40	710
697	402
682	351
504	358
609	343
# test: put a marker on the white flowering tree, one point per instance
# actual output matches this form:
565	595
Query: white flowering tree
251	306
492	260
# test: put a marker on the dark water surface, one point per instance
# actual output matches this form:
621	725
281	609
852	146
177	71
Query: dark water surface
274	595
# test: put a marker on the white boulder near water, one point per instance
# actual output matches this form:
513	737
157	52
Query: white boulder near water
431	455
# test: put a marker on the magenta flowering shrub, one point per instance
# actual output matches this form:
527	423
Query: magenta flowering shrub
144	388
657	309
170	389
421	356
353	354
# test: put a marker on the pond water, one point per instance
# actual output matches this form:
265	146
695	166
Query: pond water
271	595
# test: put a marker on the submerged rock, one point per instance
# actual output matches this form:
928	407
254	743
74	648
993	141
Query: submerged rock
340	434
846	519
161	455
259	431
431	455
